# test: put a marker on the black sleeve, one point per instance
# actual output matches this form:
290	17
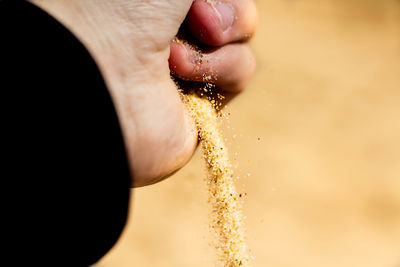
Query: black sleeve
64	167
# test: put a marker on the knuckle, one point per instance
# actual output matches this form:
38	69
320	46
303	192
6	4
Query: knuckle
245	70
249	19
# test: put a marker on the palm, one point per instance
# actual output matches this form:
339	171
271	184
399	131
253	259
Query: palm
159	133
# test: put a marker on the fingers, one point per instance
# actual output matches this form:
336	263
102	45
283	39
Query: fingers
217	23
229	67
222	25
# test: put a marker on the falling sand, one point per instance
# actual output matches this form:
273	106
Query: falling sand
226	216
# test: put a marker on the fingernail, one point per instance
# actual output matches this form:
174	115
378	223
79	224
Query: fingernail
192	54
226	15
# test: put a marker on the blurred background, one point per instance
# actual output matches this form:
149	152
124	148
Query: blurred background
317	149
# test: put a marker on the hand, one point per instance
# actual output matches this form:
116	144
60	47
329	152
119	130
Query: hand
131	41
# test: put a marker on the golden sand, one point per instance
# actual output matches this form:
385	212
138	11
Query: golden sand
227	217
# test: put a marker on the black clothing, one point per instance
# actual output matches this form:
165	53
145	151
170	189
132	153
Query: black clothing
62	149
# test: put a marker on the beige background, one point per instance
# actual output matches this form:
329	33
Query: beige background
324	189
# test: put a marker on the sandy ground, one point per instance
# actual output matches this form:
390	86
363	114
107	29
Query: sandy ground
324	189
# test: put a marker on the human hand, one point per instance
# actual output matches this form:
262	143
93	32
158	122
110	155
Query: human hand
131	41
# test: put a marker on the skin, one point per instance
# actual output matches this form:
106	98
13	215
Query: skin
131	42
